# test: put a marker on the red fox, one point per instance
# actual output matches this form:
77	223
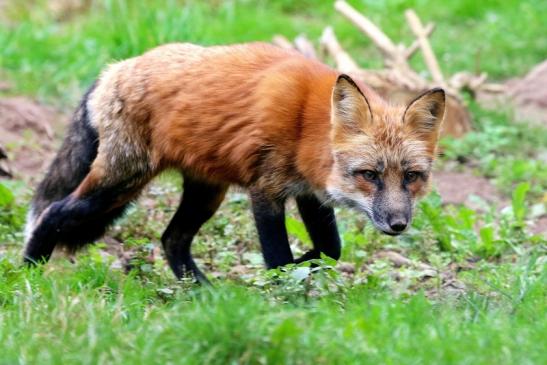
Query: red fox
253	115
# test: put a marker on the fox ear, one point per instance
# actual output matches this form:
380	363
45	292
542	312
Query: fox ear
424	115
351	111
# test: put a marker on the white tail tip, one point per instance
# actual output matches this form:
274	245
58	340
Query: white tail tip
30	225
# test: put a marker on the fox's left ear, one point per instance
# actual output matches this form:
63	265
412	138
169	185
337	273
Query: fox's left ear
351	113
424	115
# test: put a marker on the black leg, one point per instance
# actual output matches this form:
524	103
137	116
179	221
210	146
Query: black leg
270	223
321	225
77	220
199	202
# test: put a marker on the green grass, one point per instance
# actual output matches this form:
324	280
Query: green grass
91	314
94	312
474	290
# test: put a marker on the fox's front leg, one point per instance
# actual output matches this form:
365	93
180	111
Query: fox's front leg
270	222
320	223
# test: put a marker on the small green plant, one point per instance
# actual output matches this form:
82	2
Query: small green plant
465	231
519	204
6	196
12	216
307	280
297	229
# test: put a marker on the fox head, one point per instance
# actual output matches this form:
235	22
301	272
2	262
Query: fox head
382	154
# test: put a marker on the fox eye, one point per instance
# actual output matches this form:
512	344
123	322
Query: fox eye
411	176
369	175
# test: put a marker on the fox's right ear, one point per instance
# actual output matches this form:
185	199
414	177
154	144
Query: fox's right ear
351	111
424	116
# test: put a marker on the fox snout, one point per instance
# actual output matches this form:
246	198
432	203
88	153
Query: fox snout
392	212
394	224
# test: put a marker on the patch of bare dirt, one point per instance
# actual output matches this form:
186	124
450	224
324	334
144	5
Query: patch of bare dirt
4	85
27	135
530	95
539	226
526	95
458	187
3	6
61	10
67	9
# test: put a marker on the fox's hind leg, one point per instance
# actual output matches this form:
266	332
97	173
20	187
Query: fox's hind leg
199	202
83	215
104	162
321	225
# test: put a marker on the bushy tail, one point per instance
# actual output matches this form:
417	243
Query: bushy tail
70	166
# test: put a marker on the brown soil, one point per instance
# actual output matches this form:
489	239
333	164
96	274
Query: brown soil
67	9
27	135
458	187
539	226
527	96
530	95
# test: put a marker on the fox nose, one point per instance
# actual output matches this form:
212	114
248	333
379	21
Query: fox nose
398	224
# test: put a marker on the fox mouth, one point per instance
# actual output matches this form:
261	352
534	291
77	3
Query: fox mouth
382	228
392	233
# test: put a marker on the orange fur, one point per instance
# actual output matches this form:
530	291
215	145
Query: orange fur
252	115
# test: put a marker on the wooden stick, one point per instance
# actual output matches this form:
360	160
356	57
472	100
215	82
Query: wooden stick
345	63
282	42
429	28
429	57
493	88
478	81
382	41
343	60
304	46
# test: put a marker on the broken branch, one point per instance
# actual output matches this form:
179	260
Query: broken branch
282	42
429	28
429	57
343	60
304	46
382	41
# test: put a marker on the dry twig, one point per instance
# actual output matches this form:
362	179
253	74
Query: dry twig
429	57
